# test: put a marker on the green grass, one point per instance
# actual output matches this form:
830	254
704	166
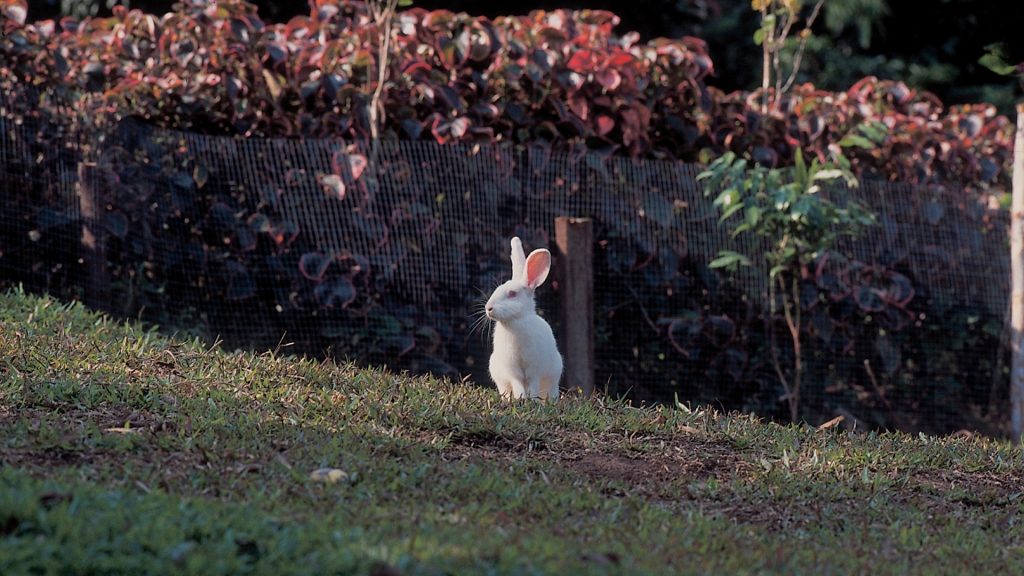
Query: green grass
127	452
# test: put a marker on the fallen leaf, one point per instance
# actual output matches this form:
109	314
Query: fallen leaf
832	423
328	475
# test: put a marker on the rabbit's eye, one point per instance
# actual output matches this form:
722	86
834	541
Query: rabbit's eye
512	293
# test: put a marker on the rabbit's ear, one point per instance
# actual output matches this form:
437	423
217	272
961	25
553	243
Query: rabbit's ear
518	258
537	267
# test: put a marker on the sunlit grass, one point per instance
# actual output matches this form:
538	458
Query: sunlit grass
127	452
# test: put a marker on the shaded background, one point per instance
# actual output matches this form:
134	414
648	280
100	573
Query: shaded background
932	45
246	262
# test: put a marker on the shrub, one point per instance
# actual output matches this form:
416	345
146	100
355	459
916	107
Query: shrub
549	81
561	77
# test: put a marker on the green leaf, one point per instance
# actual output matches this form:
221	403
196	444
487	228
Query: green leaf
800	169
753	215
737	169
730	211
740	229
759	36
830	174
727	198
802	205
876	131
855	140
727	258
404	3
995	60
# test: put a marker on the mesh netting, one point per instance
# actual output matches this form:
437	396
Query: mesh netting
242	240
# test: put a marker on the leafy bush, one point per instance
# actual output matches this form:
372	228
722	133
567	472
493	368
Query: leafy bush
791	211
559	81
893	133
562	77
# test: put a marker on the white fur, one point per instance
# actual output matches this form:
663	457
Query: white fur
525	361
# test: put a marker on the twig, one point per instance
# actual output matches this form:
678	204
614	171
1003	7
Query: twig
766	72
780	43
853	422
383	13
770	326
874	383
799	56
643	311
794	333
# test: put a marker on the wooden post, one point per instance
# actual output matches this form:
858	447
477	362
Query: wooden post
574	241
90	202
1017	283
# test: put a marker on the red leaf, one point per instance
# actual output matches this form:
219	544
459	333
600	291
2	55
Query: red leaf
313	265
333	186
16	10
438	19
609	78
348	166
486	110
581	61
336	292
605	124
459	127
416	66
357	164
620	59
579	105
480	45
900	92
451	130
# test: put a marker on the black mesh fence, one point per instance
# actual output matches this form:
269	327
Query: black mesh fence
330	249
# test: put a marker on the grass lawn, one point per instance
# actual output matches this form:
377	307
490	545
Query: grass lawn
127	452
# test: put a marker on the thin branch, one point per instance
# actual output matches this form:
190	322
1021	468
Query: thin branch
874	384
770	325
766	72
798	360
799	56
780	43
643	311
383	14
794	334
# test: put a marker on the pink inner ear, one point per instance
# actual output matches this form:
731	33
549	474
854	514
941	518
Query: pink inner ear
537	266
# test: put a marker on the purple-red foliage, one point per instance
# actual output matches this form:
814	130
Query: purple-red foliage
561	77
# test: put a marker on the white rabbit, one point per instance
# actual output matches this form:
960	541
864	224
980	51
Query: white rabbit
525	361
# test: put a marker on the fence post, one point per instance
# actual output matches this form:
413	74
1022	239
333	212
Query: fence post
1017	282
574	241
90	202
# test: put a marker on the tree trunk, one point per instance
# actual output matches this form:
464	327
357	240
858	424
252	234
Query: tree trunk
1017	283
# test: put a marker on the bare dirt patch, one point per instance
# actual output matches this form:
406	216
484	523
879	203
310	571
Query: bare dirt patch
969	488
657	468
674	459
674	470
